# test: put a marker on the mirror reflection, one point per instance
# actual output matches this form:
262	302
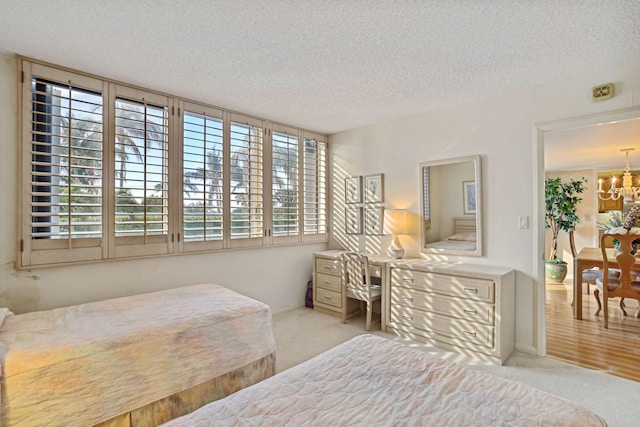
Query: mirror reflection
451	214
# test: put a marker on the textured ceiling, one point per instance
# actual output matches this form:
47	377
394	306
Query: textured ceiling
594	147
327	65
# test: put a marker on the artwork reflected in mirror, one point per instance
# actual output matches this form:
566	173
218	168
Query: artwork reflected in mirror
451	208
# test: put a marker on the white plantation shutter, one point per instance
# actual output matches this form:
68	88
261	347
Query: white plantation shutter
203	170
285	194
141	173
110	171
64	142
246	183
426	208
314	184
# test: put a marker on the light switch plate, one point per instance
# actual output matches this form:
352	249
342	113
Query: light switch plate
523	222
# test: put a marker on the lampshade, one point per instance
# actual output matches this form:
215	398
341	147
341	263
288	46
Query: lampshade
396	221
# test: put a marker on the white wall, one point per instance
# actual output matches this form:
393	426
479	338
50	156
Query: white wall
499	129
276	276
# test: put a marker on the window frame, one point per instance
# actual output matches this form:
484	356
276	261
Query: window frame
51	252
203	245
295	133
133	246
322	193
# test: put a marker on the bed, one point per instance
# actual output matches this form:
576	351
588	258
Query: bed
133	361
463	237
370	380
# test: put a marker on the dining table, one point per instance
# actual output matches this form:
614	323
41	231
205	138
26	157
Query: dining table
588	257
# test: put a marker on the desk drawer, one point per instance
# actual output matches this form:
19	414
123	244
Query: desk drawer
464	287
329	266
461	308
375	270
455	329
326	281
329	297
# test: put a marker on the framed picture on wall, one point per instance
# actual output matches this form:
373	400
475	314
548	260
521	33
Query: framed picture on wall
353	189
469	195
373	218
353	220
374	188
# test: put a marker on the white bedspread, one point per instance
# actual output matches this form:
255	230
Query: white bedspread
84	364
372	381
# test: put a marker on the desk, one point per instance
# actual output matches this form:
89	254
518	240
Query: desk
327	281
587	258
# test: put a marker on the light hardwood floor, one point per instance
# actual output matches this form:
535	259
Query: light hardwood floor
585	342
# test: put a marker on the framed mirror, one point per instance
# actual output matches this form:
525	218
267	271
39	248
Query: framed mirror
451	208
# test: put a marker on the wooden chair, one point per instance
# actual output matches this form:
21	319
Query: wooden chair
627	285
357	284
590	275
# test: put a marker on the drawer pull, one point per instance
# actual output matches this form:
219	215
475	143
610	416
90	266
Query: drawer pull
328	267
407	299
407	317
471	290
470	312
470	334
407	280
327	297
326	282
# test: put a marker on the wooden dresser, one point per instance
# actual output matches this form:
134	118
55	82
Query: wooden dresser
461	307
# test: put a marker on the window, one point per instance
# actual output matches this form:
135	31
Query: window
284	184
140	173
246	203
66	160
203	170
140	169
112	171
315	188
63	151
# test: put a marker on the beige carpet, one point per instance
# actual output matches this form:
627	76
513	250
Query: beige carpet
303	333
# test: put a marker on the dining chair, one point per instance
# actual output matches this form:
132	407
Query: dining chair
627	285
589	275
357	284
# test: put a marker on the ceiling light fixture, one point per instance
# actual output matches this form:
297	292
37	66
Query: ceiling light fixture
628	191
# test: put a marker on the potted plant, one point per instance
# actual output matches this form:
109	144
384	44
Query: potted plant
561	204
629	224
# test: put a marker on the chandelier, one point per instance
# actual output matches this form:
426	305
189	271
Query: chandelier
631	194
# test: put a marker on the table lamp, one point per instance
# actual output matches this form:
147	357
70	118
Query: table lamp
395	223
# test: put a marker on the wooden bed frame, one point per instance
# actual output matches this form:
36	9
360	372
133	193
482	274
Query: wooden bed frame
189	400
464	224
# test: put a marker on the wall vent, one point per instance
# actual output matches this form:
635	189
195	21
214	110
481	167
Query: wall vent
602	92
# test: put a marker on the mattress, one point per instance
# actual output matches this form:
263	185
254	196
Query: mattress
84	364
373	381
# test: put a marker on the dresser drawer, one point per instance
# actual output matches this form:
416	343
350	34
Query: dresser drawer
464	287
329	297
454	329
461	308
326	281
329	266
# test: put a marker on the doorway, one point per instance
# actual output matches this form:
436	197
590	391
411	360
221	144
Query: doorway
592	145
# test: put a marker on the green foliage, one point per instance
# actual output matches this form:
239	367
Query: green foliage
561	205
